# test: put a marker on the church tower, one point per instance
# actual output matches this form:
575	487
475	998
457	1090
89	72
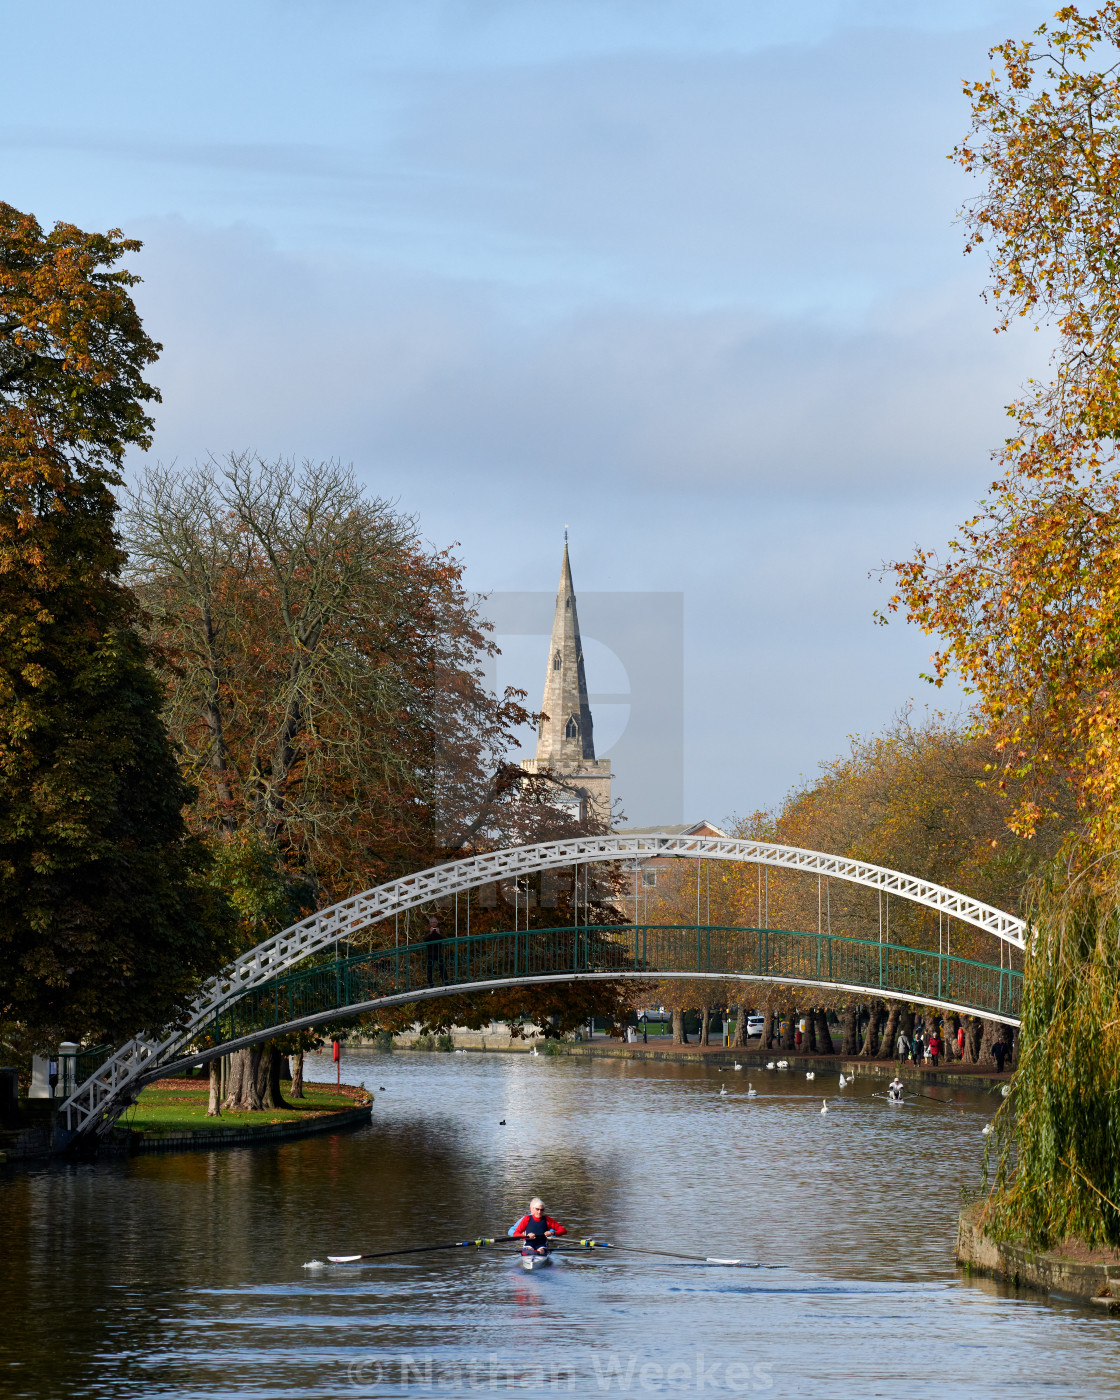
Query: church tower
566	738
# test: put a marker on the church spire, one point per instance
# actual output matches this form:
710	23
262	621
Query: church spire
566	734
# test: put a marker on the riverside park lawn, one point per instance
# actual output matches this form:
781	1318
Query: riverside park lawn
171	1104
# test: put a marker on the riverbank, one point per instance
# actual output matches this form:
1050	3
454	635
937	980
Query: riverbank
954	1074
170	1116
1073	1271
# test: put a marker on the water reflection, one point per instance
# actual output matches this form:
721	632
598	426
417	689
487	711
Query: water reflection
183	1275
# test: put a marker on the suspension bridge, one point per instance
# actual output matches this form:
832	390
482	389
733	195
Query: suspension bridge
299	978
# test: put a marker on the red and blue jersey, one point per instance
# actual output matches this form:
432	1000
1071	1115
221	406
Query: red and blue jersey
528	1227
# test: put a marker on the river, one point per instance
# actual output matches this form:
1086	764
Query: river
188	1275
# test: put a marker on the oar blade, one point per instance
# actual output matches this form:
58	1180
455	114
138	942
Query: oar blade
344	1258
723	1261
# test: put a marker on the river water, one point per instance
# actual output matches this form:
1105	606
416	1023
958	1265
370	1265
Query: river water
187	1274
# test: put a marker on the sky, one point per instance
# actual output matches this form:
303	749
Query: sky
685	278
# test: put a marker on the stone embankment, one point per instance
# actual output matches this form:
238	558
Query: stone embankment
1073	1271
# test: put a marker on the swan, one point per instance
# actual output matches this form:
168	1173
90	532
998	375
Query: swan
770	1064
1005	1090
738	1066
824	1105
783	1064
810	1074
986	1129
752	1093
722	1089
843	1082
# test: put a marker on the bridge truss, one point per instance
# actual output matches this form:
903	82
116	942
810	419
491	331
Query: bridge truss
95	1103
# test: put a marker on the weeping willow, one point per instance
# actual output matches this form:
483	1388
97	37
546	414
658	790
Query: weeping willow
1056	1151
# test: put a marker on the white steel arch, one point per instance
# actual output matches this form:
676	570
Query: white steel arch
349	916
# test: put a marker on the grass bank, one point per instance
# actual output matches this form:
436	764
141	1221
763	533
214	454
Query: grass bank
172	1106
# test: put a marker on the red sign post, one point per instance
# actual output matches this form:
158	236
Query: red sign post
336	1056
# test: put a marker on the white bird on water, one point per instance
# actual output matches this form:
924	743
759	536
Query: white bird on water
824	1105
770	1064
738	1066
752	1093
810	1074
783	1064
986	1129
723	1089
844	1082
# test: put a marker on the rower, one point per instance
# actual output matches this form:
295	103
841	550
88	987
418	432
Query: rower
536	1228
895	1088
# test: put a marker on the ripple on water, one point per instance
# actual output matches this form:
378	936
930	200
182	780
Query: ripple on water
184	1275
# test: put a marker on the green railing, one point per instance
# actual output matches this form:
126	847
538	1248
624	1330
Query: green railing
90	1060
886	969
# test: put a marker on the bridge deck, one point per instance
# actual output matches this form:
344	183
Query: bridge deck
351	985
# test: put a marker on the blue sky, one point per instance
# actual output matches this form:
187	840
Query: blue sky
684	277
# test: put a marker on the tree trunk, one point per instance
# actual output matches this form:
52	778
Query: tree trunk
740	1038
268	1078
890	1035
767	1030
871	1040
237	1062
950	1047
848	1021
297	1076
988	1037
214	1107
788	1042
244	1095
824	1035
973	1034
705	1011
680	1035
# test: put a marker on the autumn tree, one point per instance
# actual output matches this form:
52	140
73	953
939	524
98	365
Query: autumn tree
1025	600
105	926
326	687
324	667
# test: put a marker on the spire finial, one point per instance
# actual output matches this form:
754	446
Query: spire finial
565	534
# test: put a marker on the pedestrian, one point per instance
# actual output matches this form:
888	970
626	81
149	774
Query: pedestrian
797	1038
934	1047
433	951
916	1046
960	1042
999	1051
902	1046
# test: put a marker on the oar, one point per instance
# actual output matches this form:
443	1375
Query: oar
418	1249
664	1253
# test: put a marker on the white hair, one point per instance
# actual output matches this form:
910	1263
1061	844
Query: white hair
536	1201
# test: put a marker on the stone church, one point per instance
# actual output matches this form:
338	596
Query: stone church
566	738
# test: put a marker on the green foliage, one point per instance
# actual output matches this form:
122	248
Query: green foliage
106	923
1057	1169
250	873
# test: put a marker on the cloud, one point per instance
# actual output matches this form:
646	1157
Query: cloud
420	375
